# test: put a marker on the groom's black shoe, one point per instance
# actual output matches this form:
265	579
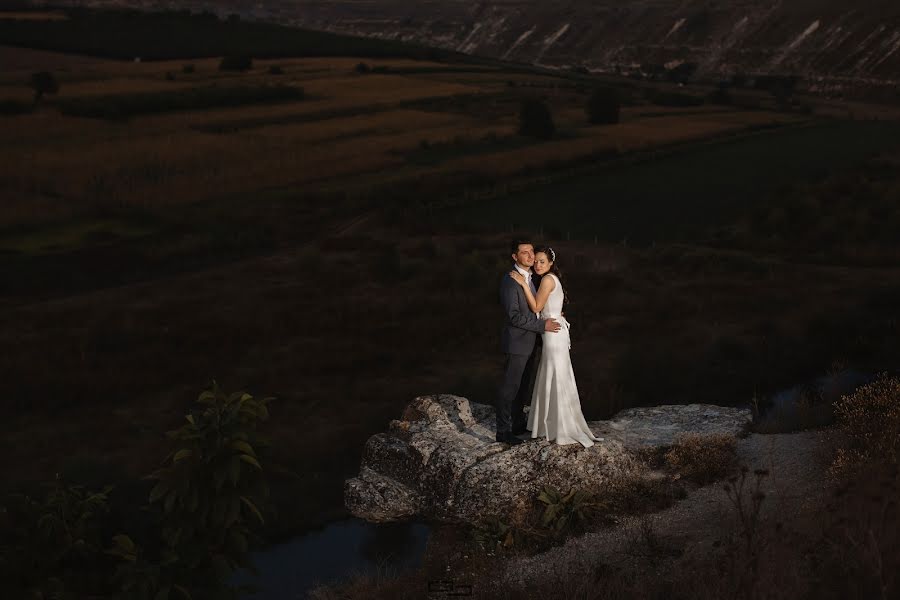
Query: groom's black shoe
520	430
509	438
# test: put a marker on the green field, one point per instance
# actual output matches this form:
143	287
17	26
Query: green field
680	196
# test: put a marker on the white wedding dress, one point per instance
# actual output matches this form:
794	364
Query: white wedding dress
555	406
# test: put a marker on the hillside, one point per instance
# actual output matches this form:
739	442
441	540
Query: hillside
837	47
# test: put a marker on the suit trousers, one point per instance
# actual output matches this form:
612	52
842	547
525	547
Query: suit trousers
516	389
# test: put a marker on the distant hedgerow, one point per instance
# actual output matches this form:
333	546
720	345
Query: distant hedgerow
603	106
535	119
118	106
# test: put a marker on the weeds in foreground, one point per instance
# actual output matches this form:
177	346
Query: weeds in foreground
555	517
747	503
870	418
702	458
202	515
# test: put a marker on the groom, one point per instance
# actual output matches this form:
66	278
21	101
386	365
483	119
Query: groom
521	342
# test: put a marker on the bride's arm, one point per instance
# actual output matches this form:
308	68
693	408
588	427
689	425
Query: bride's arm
535	304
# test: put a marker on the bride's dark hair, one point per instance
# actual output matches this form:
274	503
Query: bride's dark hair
551	254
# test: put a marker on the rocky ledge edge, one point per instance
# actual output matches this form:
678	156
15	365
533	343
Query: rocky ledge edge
440	462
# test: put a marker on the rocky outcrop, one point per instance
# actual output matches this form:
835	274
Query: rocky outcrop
440	460
835	46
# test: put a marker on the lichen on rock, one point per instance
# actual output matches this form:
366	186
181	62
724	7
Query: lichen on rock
440	460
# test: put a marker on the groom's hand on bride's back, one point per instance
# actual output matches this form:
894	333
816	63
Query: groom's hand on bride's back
551	325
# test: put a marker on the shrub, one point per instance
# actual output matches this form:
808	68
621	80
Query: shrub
53	547
556	516
209	495
682	73
603	106
43	82
702	458
118	106
236	63
535	119
870	417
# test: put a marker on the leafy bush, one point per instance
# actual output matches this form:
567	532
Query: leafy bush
603	106
870	417
702	458
236	63
53	547
209	494
535	119
556	517
564	512
208	498
125	105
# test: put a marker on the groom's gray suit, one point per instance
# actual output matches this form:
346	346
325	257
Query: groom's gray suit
520	340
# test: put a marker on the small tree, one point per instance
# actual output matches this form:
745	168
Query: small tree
535	119
43	82
603	106
209	493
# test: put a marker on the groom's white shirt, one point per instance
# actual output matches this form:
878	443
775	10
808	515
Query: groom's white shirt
527	276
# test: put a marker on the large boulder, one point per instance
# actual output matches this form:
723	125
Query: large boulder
440	460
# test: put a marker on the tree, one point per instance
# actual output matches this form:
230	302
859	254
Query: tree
603	106
43	82
209	494
535	119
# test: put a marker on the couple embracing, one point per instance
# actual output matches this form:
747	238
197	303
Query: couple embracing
535	339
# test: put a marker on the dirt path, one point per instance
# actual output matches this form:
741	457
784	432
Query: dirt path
797	480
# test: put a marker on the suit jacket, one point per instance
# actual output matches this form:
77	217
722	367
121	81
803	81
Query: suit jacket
522	326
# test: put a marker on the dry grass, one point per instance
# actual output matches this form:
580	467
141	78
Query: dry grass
42	15
870	418
55	167
702	458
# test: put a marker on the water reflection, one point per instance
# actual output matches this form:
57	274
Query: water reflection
342	549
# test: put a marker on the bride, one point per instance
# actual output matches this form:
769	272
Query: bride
555	406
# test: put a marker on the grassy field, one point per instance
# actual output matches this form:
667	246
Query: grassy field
300	250
682	195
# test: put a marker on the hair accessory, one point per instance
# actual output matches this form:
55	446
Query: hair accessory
552	254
